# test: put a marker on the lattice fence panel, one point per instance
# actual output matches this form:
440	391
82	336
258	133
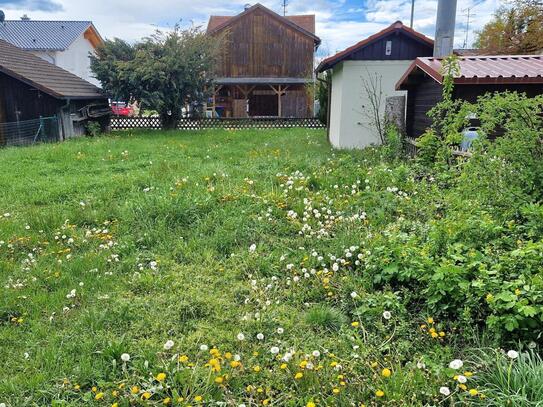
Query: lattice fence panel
124	123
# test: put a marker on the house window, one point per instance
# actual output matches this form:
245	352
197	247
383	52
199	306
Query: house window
388	50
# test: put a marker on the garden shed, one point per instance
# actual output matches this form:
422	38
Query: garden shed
32	90
383	58
477	75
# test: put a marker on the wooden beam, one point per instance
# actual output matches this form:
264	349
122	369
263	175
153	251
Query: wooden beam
279	91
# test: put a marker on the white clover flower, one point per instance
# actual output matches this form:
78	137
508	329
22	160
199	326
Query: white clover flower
260	336
456	364
512	354
354	294
462	379
287	357
445	391
241	337
252	248
169	344
203	347
2	404
421	365
387	315
309	366
316	353
237	358
125	357
280	330
274	350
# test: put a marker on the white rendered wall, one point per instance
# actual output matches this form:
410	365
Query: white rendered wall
76	59
349	126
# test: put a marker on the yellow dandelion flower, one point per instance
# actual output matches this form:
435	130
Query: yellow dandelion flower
219	380
198	398
441	334
183	358
265	402
99	396
256	369
335	390
77	387
235	364
114	393
161	377
94	389
283	366
298	375
379	393
374	364
146	396
430	320
434	335
115	405
310	404
355	324
228	355
167	401
468	374
135	390
386	372
473	392
463	386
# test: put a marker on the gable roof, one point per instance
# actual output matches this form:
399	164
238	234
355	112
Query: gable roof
398	26
34	71
482	70
38	35
303	23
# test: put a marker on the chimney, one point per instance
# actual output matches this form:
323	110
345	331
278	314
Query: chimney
246	7
446	20
25	18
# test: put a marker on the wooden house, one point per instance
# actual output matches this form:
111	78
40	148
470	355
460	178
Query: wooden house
31	88
266	64
372	66
477	75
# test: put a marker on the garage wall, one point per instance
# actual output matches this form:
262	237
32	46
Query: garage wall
349	126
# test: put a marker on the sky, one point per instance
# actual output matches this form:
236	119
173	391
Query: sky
340	23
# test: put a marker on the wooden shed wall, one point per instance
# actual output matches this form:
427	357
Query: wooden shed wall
16	96
427	93
260	45
404	47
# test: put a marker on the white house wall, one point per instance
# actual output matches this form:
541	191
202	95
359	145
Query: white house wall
349	125
75	59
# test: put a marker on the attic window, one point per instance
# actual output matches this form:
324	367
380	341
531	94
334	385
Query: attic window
388	49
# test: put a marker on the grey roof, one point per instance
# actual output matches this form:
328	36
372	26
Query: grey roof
34	71
42	35
262	81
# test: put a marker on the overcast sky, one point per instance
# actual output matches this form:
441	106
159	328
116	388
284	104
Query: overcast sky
340	23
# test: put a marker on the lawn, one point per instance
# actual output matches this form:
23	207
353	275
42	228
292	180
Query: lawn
248	268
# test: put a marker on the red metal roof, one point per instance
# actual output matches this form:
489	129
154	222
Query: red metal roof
485	70
397	26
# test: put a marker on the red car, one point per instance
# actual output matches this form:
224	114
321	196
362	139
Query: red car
121	109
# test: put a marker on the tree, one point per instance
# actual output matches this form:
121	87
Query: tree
323	87
107	66
516	28
165	72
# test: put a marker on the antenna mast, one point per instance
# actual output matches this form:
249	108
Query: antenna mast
285	4
412	13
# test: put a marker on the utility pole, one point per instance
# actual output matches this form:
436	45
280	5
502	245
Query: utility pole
412	13
468	16
285	4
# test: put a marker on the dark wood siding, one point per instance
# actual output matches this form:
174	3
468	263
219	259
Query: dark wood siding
19	101
420	100
260	45
424	95
403	47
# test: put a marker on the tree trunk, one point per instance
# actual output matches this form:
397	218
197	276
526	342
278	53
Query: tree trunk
170	119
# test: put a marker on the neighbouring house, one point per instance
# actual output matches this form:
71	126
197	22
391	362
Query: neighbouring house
32	88
477	75
66	44
376	62
266	64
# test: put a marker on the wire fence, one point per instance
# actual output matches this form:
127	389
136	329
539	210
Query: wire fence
27	132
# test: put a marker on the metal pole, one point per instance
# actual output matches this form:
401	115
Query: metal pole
445	24
412	13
